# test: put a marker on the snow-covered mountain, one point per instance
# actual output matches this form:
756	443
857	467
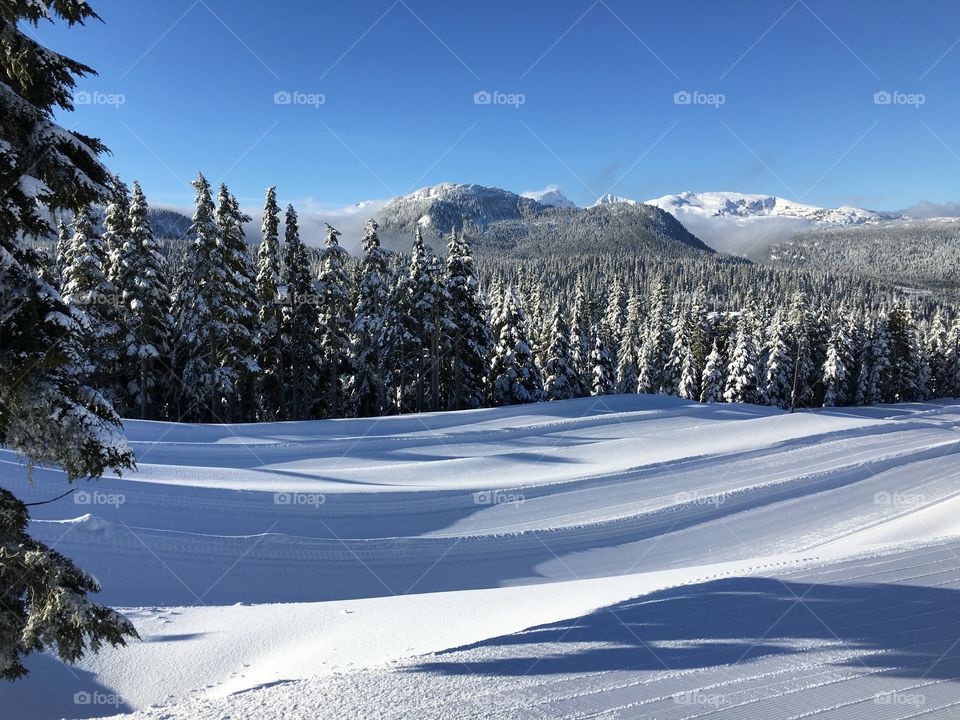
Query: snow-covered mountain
744	224
503	221
740	205
550	196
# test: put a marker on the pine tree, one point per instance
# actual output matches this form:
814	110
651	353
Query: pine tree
613	320
201	316
627	358
116	229
398	347
603	377
335	320
86	288
514	375
302	354
581	323
271	384
559	376
48	414
879	365
470	347
743	383
145	294
801	348
240	311
902	382
430	325
655	350
952	361
778	365
713	381
683	370
368	387
835	373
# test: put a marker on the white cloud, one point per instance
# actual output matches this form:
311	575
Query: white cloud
926	209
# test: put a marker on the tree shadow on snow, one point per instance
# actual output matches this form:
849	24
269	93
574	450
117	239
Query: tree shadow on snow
907	630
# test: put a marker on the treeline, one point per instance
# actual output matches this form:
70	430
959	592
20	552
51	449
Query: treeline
219	333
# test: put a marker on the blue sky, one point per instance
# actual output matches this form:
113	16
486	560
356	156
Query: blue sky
598	81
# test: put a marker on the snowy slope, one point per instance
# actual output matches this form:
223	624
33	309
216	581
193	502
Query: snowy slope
320	562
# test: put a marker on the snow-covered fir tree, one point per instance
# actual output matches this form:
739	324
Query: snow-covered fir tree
240	308
430	325
335	320
470	346
713	381
835	373
653	376
604	382
87	288
514	375
203	319
368	386
581	325
271	382
743	382
778	365
302	353
630	343
116	228
560	380
145	295
48	414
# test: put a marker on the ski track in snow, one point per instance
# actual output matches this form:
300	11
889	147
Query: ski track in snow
625	556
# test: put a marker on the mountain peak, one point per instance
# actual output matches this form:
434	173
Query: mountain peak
550	196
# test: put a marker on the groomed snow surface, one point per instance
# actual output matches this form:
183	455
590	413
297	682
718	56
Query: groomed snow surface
625	556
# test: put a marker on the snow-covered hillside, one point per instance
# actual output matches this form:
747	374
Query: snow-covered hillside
634	556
